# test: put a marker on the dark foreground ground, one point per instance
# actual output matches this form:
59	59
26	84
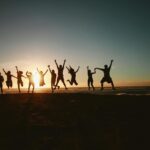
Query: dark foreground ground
74	122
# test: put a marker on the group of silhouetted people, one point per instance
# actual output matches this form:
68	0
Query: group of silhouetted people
55	78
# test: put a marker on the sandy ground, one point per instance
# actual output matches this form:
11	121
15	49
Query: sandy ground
107	91
74	121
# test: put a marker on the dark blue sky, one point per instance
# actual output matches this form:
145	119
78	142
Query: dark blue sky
84	32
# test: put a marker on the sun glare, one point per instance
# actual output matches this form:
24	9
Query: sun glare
36	79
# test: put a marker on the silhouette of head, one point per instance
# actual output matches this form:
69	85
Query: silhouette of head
53	71
20	72
60	66
9	72
41	72
105	66
89	71
30	73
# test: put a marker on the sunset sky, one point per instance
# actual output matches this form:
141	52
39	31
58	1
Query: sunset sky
33	33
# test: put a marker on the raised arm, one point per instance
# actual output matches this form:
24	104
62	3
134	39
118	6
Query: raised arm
64	63
110	64
38	70
4	71
17	69
27	73
49	69
45	72
68	69
56	64
78	69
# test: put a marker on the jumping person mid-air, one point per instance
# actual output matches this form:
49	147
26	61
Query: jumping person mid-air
9	78
31	81
60	74
72	72
19	78
41	74
106	78
53	79
90	78
1	82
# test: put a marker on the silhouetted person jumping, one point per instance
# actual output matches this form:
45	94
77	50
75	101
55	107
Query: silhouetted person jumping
106	78
19	78
41	74
90	78
9	78
1	82
53	79
60	74
72	72
31	81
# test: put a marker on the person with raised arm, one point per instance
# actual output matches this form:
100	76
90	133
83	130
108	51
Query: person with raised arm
41	75
19	79
53	78
9	82
106	78
60	76
73	73
1	83
31	81
90	78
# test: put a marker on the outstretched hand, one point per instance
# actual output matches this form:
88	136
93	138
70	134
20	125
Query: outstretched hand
48	66
112	60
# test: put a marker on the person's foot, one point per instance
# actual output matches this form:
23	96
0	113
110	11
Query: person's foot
66	88
58	87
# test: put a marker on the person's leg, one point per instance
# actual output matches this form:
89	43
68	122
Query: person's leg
92	85
102	85
33	87
29	87
7	84
18	87
62	79
69	82
75	82
1	86
89	84
58	79
112	84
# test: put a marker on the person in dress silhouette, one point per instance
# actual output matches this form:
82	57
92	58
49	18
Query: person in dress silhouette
19	78
73	73
41	75
9	82
90	78
106	78
53	79
31	81
60	76
1	82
